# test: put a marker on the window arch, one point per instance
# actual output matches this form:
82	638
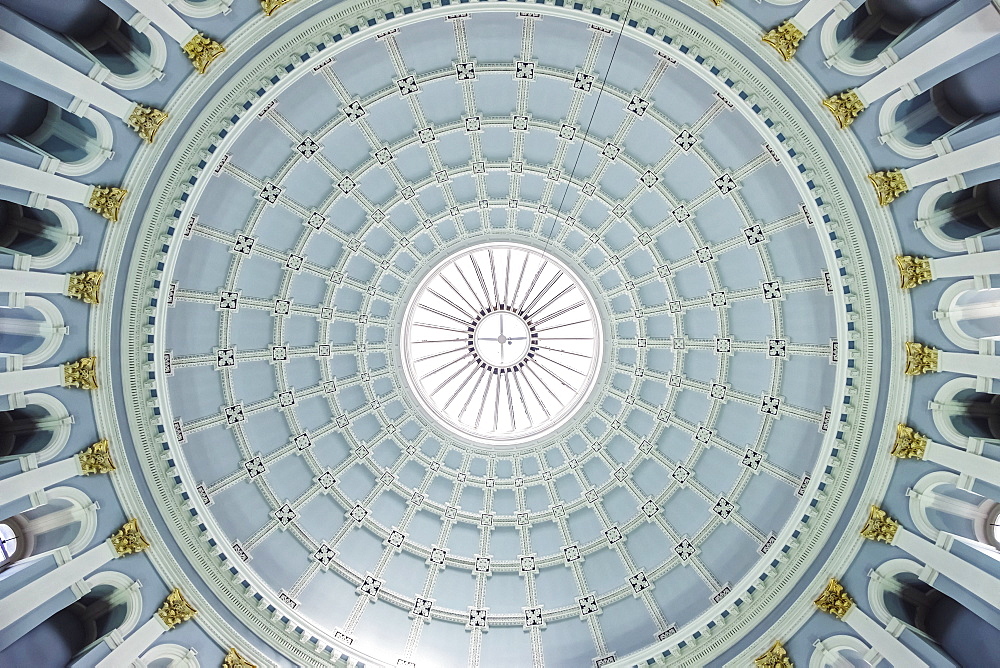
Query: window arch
949	219
35	331
46	231
42	427
13	546
939	504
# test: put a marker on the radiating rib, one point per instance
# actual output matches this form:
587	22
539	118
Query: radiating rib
442	314
455	306
457	292
542	293
540	309
560	312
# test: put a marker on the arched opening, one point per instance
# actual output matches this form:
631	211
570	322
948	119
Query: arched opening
970	413
12	542
976	313
51	644
965	636
134	57
938	504
68	519
34	331
949	217
41	428
854	44
46	234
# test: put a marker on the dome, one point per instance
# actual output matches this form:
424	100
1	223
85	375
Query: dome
497	334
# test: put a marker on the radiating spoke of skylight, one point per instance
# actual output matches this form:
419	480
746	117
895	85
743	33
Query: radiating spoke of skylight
501	342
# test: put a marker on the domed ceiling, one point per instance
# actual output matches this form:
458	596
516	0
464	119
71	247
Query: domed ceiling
345	220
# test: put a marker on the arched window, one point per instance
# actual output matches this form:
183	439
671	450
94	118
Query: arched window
12	544
976	313
948	218
48	235
41	428
853	44
35	331
937	504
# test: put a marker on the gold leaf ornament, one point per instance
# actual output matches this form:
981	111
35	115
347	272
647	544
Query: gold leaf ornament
909	443
146	121
775	657
129	539
82	373
845	107
785	39
913	271
888	185
236	660
202	50
96	458
86	286
107	201
834	600
175	609
879	526
920	359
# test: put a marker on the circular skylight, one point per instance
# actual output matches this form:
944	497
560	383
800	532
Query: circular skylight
501	342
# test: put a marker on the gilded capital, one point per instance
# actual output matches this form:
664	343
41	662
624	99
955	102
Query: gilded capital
269	7
909	443
834	600
879	526
96	458
913	270
107	201
236	660
785	39
129	539
86	286
845	107
82	373
146	121
202	51
776	657
175	609
920	359
888	185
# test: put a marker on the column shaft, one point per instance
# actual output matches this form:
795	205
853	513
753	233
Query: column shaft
134	645
34	180
964	462
969	577
36	282
950	44
34	480
888	645
38	591
812	13
971	264
37	64
973	364
964	160
162	16
30	379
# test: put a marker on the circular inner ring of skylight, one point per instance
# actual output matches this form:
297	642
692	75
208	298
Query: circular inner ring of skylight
501	343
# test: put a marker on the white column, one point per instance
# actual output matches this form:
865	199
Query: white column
35	282
42	66
34	180
134	645
889	646
166	19
812	13
41	478
973	364
971	578
971	264
950	44
964	462
966	159
27	380
36	592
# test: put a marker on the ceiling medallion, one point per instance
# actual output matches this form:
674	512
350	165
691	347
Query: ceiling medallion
501	343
